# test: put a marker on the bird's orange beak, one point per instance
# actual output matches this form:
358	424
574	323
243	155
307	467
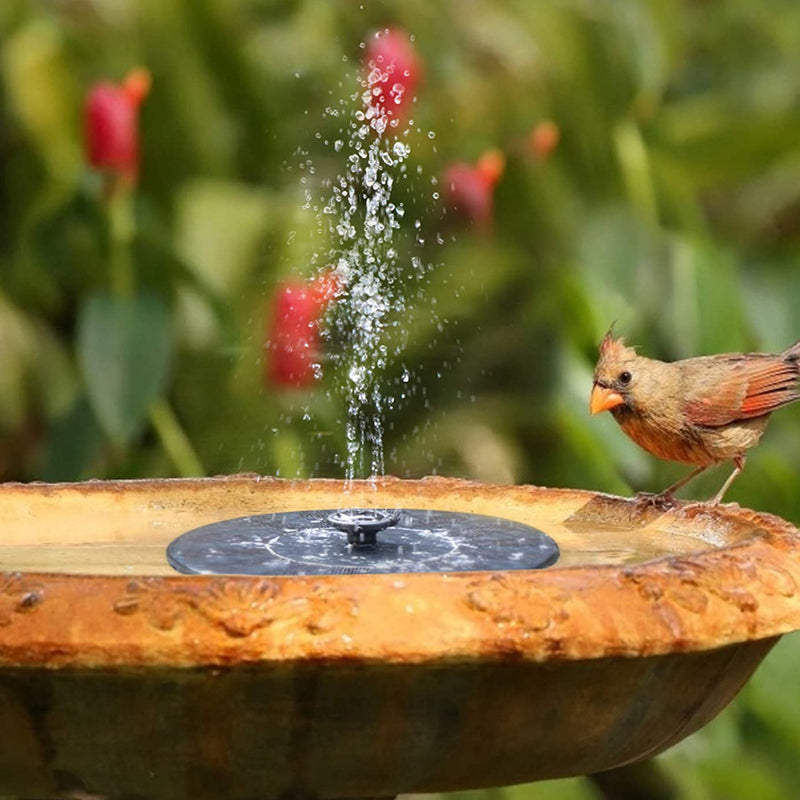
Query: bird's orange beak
604	399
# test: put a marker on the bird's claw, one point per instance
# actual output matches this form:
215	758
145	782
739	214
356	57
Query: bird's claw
663	501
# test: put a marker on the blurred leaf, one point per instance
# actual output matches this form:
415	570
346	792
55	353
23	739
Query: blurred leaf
772	297
53	375
747	781
634	162
624	264
765	209
289	454
69	246
72	444
201	134
703	313
16	351
203	314
124	350
718	297
35	374
43	91
771	703
567	789
220	226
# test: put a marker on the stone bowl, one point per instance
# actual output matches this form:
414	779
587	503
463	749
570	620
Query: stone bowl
121	678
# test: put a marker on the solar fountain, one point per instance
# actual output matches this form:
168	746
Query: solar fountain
245	637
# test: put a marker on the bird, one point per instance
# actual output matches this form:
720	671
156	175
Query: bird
699	411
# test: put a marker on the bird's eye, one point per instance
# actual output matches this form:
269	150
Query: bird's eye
624	377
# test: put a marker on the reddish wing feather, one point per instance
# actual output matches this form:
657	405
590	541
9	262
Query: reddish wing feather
754	386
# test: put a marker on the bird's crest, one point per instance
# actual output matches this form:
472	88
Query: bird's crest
612	349
609	343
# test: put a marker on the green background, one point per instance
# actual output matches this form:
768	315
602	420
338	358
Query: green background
671	205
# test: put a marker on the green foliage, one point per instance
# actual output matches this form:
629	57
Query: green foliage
124	349
132	335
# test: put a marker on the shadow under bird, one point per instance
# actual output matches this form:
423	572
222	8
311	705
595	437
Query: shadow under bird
699	411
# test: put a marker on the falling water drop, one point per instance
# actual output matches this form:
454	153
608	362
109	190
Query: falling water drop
362	216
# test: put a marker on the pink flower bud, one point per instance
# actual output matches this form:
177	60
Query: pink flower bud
393	71
470	190
112	125
492	165
544	138
293	338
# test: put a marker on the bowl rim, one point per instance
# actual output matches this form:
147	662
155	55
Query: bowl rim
749	590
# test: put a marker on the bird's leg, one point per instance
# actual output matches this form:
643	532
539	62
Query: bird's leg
670	490
665	499
738	466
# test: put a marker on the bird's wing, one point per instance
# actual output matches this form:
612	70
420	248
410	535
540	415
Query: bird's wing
748	386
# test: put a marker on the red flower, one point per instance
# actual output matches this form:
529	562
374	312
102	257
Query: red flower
544	138
112	125
393	71
293	337
471	189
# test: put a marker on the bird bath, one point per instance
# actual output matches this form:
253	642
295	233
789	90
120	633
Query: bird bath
121	677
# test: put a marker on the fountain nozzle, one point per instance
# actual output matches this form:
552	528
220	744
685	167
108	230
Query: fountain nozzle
363	524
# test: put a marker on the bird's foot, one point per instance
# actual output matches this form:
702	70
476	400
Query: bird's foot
663	501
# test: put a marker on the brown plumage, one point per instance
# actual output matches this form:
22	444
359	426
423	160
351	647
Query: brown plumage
699	411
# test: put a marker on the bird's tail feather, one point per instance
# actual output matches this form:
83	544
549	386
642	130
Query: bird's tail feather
792	353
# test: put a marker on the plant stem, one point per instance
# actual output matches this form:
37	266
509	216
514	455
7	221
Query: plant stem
122	225
175	442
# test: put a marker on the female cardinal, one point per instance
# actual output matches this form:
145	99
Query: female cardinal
698	411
